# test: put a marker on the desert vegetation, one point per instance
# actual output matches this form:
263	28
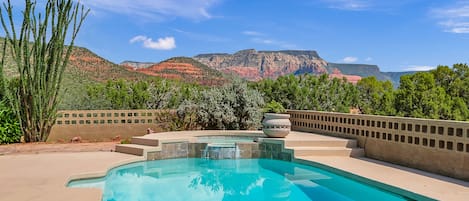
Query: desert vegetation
35	61
40	56
437	94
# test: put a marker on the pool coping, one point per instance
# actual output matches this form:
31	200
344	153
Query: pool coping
101	174
379	183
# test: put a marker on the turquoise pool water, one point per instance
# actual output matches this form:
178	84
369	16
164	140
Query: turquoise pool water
194	179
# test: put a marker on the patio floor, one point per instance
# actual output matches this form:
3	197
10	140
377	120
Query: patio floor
42	176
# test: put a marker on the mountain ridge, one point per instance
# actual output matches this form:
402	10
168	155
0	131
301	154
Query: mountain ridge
251	64
255	65
86	66
181	68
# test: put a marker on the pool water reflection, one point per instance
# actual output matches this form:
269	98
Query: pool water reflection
242	179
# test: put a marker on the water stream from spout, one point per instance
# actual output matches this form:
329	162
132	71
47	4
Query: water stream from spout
217	151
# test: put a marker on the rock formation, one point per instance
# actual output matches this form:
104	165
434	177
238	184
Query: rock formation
184	69
137	65
350	78
257	65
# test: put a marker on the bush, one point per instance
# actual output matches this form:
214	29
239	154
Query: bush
126	141
170	120
10	131
274	107
233	107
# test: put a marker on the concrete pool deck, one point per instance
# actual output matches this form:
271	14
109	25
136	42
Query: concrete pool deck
43	176
424	183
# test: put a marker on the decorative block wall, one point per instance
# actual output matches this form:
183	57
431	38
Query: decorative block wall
432	145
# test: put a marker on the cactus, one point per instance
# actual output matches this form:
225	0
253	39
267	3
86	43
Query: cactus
40	55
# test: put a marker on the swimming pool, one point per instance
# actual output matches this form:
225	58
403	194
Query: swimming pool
194	179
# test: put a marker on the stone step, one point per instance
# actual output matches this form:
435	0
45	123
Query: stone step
301	174
321	143
327	151
141	140
135	149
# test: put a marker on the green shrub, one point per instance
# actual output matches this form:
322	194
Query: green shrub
274	107
126	141
10	131
232	107
172	120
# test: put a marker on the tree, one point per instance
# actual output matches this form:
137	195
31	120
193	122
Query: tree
420	96
461	84
40	56
376	97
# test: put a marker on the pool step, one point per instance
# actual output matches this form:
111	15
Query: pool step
321	143
301	147
135	149
327	151
301	174
142	140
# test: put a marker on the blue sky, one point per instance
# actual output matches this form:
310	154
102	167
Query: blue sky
396	35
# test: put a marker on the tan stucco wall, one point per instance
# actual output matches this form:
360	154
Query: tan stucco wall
432	145
103	125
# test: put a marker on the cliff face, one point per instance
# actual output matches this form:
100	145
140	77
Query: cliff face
137	65
350	78
184	69
257	65
363	70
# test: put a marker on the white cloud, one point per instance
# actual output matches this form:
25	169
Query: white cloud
455	27
457	11
263	41
368	5
252	33
368	59
353	5
458	30
350	59
454	19
155	9
166	43
267	41
419	68
261	38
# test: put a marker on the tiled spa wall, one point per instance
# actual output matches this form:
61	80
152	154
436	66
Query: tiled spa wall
270	150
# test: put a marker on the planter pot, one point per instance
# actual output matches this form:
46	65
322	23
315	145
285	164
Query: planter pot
276	125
